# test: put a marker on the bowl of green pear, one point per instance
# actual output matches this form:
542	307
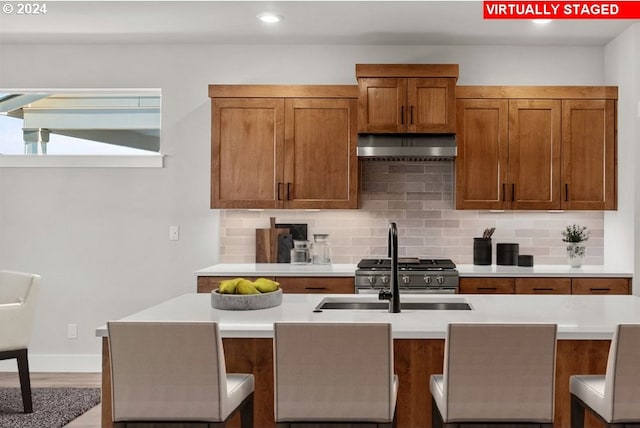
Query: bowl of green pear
240	294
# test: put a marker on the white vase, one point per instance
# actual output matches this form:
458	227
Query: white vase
575	253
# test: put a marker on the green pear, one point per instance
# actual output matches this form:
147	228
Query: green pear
228	286
246	287
265	285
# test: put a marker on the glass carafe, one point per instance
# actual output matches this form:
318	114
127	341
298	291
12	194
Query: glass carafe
321	249
300	252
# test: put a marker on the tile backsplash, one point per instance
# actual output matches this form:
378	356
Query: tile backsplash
419	197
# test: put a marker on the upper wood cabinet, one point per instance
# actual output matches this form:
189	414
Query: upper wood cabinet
524	153
589	155
283	146
481	164
406	98
508	154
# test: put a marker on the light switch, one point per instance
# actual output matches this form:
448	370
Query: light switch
72	331
174	233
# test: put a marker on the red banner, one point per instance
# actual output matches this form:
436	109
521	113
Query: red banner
561	10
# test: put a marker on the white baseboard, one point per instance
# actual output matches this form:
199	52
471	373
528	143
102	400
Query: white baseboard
56	363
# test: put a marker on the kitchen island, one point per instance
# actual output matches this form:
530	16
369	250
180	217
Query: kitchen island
585	327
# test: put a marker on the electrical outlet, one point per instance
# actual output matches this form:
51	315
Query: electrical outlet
174	233
72	331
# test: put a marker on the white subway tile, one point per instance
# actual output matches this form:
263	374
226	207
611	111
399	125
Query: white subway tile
419	197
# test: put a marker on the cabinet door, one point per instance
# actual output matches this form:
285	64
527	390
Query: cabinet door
334	285
486	286
534	154
382	105
320	153
432	105
543	285
600	286
588	155
247	140
481	164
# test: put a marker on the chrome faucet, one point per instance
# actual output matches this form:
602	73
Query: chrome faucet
393	295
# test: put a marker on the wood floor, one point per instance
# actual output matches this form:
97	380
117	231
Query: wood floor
90	419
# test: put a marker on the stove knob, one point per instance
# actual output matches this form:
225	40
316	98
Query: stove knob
427	279
371	279
384	279
405	279
440	279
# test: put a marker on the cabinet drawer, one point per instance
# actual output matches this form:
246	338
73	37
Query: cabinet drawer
206	284
543	285
344	285
487	286
600	286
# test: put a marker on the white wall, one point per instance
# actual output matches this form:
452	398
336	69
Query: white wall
622	68
99	236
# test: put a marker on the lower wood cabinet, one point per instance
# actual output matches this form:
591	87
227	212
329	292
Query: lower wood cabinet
600	286
289	284
345	285
545	285
487	286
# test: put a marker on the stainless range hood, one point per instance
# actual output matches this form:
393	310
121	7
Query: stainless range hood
407	147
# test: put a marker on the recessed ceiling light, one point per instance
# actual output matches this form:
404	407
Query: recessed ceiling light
541	21
270	18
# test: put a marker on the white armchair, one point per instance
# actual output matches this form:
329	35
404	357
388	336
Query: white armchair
18	295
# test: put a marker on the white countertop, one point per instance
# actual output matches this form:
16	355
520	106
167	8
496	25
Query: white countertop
578	317
277	269
346	270
593	271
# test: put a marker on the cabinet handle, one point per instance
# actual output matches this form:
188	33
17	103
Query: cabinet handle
487	288
315	288
504	186
566	192
279	191
411	115
289	191
513	192
600	290
543	289
401	115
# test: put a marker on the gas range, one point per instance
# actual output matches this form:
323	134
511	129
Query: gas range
415	275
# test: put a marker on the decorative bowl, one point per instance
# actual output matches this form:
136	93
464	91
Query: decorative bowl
245	302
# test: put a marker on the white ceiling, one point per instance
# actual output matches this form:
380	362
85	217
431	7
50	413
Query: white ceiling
306	22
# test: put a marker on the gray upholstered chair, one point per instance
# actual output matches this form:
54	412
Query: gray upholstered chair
18	294
174	372
615	396
331	373
496	374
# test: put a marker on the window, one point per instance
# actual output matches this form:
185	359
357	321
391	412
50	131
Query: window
113	127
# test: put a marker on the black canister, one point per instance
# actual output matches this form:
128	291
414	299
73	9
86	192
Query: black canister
507	254
525	260
481	251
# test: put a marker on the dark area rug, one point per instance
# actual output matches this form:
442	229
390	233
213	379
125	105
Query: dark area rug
52	407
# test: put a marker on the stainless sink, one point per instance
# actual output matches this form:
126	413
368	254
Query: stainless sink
422	304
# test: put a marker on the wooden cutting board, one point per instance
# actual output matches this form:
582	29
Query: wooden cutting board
267	242
263	246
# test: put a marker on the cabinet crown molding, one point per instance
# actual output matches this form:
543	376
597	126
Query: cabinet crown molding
407	70
538	92
283	91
